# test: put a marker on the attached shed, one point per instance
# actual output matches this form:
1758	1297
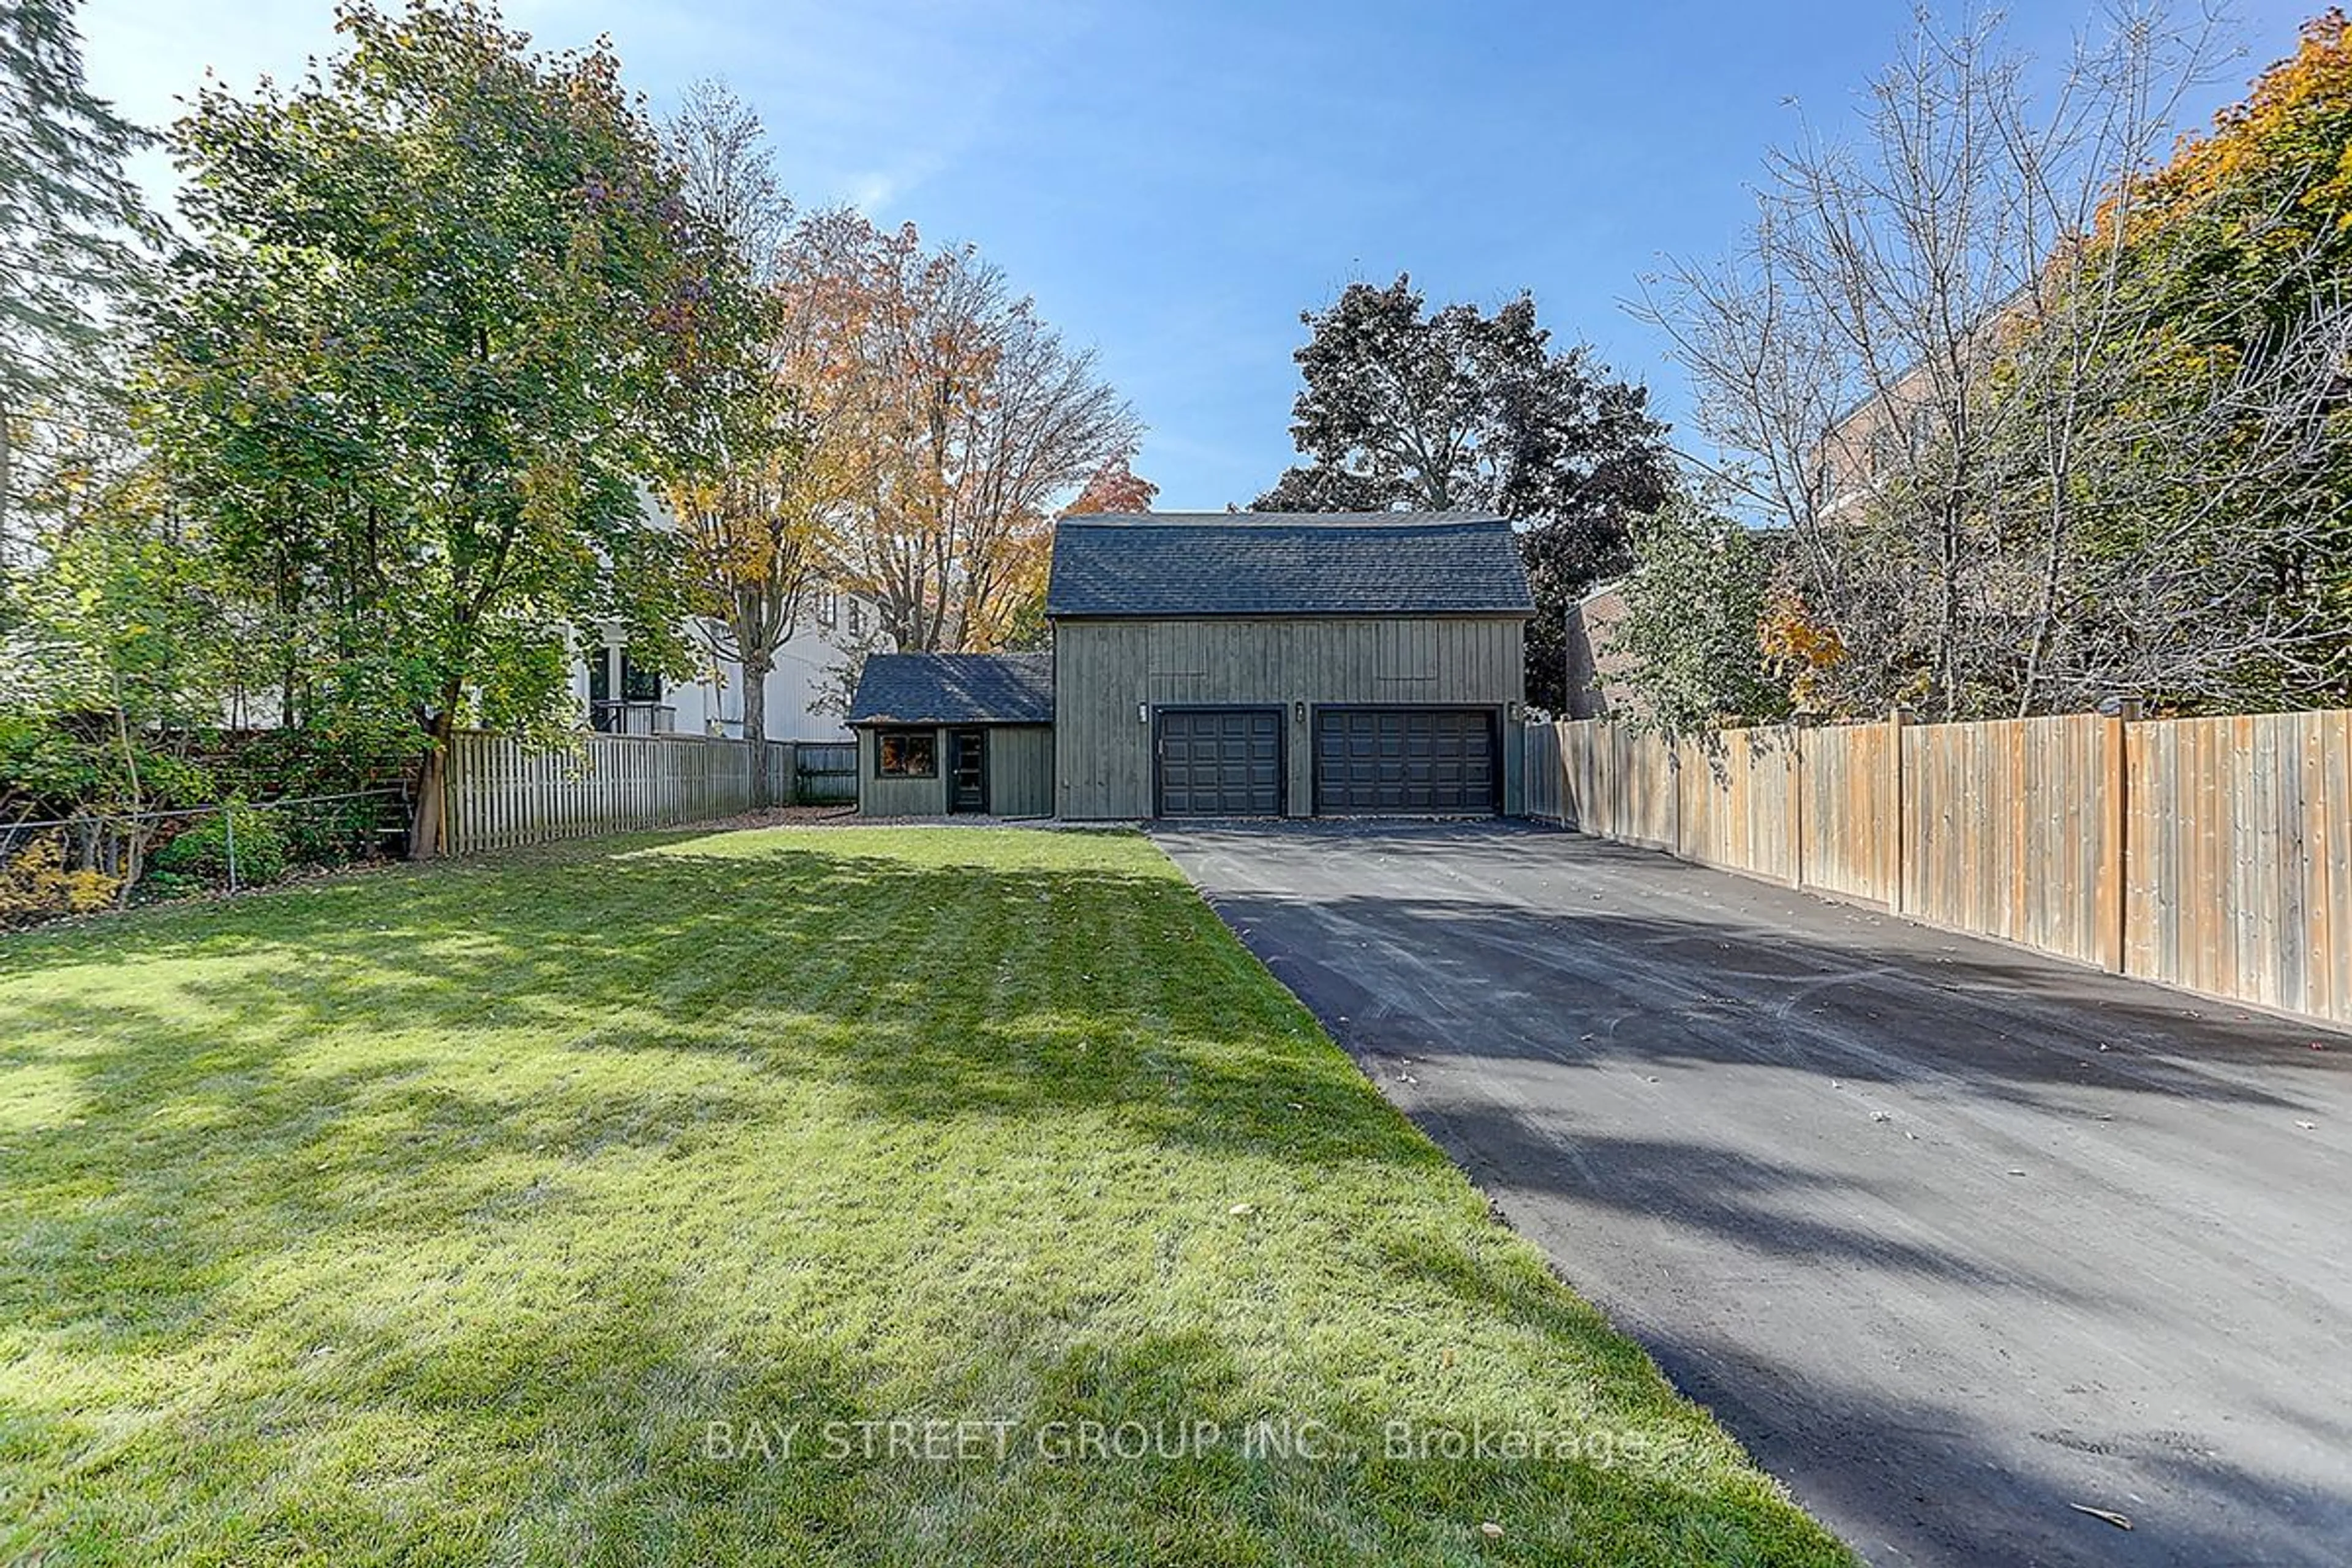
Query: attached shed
1254	664
943	734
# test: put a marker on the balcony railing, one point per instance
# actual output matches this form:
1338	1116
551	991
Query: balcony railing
631	718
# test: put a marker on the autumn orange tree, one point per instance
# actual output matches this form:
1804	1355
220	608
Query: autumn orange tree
976	418
1115	487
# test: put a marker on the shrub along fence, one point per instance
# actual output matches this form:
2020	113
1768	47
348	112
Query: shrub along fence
2213	854
503	793
98	859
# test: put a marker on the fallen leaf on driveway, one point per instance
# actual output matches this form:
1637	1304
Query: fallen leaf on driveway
2119	1520
2308	1126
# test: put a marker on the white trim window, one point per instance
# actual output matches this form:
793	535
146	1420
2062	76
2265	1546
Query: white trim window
828	605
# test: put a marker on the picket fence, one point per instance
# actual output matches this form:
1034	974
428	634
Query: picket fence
502	793
2212	854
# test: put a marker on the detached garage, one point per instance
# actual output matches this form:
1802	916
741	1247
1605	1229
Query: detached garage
1253	664
940	735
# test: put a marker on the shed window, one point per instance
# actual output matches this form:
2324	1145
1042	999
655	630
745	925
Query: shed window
905	754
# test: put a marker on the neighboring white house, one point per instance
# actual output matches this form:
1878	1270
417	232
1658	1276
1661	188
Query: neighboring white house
622	698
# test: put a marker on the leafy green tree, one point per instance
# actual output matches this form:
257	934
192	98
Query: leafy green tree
1462	410
69	219
1696	603
122	655
412	370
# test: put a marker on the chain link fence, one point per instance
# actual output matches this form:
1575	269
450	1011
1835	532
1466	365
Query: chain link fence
98	860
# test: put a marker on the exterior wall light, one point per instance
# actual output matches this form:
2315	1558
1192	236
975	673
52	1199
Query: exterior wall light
1298	710
1143	713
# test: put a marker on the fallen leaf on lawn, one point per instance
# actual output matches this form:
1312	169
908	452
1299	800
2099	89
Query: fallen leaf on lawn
2119	1520
1240	1210
1491	1530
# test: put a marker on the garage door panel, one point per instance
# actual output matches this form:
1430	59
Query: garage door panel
1220	762
1417	760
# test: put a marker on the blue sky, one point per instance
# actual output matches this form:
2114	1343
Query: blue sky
1175	181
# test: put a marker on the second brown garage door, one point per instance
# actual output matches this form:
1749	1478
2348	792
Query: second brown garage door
1406	761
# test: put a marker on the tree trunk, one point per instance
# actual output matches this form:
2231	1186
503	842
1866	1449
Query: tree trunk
755	730
432	787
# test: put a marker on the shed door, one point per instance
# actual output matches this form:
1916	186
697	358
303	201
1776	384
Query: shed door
1220	762
967	770
1405	760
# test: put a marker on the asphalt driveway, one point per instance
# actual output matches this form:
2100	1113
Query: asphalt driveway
1957	1241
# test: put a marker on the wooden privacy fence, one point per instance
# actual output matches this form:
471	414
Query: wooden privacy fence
824	772
502	793
2213	853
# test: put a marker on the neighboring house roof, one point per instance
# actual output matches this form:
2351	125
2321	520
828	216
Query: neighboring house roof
1176	564
955	689
1611	588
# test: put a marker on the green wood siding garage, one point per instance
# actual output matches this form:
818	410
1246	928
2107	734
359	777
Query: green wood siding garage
1226	664
1288	618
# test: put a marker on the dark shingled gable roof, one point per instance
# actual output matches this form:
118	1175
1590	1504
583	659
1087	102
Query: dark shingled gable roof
1286	563
955	689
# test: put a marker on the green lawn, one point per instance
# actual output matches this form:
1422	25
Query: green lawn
517	1212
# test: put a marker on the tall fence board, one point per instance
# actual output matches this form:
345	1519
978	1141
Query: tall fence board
1542	776
2258	813
1846	836
1739	806
2002	830
502	793
2212	854
1618	781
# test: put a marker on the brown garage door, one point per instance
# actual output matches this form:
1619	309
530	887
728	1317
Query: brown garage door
1407	761
1220	762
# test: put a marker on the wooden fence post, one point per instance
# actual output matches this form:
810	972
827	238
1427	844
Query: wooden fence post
1796	775
2115	836
1897	719
1674	743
